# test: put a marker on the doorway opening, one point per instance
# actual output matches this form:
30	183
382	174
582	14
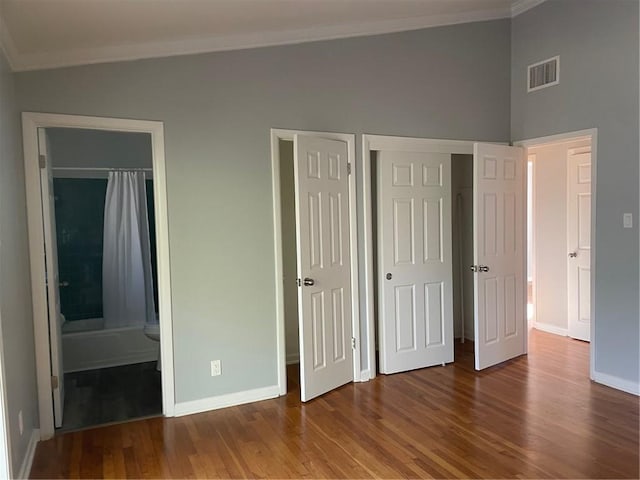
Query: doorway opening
560	236
101	289
104	228
289	267
462	233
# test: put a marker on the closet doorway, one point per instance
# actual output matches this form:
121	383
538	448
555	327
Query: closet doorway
420	289
316	260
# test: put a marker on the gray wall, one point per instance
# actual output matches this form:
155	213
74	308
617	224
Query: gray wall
15	289
597	41
448	82
72	147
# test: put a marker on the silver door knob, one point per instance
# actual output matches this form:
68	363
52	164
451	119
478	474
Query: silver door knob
63	284
389	276
573	254
474	268
308	282
483	268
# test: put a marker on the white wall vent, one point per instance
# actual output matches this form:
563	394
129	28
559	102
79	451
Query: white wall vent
543	74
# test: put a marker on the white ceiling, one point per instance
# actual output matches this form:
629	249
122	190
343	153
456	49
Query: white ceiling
51	33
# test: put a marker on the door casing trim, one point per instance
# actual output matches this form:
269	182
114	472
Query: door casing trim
30	123
591	133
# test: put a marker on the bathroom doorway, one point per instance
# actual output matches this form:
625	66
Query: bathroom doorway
103	327
107	266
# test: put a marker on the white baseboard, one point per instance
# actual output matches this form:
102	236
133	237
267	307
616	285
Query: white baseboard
545	327
27	461
617	383
365	375
466	339
228	400
293	358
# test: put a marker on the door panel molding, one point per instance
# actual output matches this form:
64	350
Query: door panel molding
578	242
399	144
415	277
323	335
499	229
278	134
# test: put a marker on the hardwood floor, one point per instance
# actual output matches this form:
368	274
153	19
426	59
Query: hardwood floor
537	416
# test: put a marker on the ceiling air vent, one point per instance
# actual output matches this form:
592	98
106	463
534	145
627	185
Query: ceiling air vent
543	74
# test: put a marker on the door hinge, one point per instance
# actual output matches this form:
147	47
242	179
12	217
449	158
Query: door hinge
54	382
298	282
348	169
42	160
353	342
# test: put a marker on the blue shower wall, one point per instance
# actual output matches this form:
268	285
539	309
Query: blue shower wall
79	209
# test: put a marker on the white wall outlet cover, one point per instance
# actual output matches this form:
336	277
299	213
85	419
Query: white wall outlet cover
627	220
215	368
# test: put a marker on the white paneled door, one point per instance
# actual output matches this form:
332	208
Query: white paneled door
52	278
579	244
415	266
499	253
324	265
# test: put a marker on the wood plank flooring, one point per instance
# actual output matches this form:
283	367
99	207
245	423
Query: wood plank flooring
537	416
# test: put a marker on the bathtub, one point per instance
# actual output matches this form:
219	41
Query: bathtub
86	345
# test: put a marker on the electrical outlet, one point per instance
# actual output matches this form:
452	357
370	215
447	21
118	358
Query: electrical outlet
627	220
20	422
215	368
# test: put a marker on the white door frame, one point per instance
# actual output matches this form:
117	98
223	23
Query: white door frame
278	134
591	133
6	466
399	144
30	124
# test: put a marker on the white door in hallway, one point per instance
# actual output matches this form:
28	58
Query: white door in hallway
52	278
499	253
324	264
415	266
579	243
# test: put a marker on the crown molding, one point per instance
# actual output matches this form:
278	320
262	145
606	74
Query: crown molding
6	44
137	51
521	6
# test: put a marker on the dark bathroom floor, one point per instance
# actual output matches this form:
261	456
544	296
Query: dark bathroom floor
106	395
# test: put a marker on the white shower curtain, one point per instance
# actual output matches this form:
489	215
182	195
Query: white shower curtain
127	283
